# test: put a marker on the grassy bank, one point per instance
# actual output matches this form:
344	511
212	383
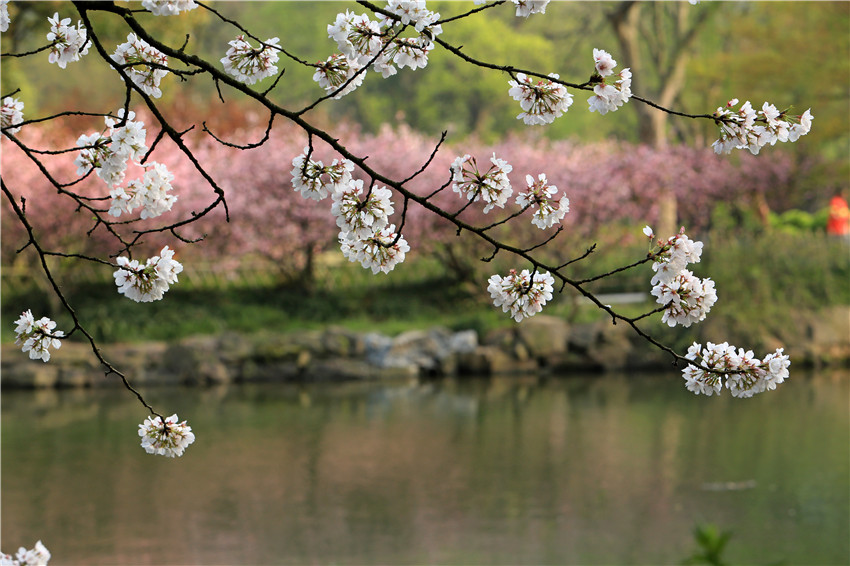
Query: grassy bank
762	281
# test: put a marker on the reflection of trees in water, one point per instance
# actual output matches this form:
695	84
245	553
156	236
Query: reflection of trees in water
526	470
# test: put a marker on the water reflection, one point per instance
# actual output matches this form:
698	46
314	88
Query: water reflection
502	471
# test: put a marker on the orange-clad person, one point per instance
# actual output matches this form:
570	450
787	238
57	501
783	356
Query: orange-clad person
838	223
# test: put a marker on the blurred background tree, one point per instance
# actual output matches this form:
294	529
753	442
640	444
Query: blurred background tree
690	58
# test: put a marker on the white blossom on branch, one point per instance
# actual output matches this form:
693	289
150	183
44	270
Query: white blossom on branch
151	193
36	556
138	55
167	438
540	195
362	217
336	71
4	15
611	90
379	251
521	294
37	336
148	282
11	113
68	43
316	181
492	186
168	7
541	101
748	376
109	152
251	64
687	297
747	128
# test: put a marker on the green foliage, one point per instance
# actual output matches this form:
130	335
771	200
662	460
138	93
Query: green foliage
712	542
764	280
781	42
796	221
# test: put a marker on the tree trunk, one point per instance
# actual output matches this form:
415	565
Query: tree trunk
671	51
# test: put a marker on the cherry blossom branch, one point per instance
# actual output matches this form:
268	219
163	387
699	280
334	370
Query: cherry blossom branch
42	255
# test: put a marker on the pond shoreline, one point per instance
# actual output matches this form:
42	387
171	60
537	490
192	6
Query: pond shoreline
543	344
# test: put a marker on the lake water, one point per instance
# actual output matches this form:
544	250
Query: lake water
580	470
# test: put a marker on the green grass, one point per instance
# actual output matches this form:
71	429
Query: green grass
762	281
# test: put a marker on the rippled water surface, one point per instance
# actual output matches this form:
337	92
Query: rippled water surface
592	470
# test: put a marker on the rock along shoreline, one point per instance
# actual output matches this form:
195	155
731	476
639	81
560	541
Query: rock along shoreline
543	344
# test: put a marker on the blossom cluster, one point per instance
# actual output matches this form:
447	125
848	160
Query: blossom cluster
492	186
752	129
521	294
143	64
165	438
251	64
540	194
687	298
541	101
4	15
148	282
380	250
67	43
336	71
168	7
747	375
37	336
366	234
151	192
109	152
316	181
525	8
610	92
11	113
36	556
380	44
362	218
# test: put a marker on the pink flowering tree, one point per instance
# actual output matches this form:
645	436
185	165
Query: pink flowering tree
139	186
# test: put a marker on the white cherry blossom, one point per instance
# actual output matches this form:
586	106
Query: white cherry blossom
674	256
37	336
68	43
410	52
361	218
749	129
167	438
109	152
168	7
687	297
525	8
11	113
336	71
36	556
612	90
151	192
746	375
315	181
541	101
358	37
251	64
148	282
4	15
492	186
138	55
603	62
380	251
540	195
521	294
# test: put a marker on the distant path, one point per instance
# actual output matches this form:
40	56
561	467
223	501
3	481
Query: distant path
620	298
